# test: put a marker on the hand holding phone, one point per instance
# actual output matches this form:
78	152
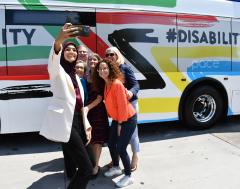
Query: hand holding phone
80	30
76	28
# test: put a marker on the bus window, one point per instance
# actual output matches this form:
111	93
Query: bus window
46	17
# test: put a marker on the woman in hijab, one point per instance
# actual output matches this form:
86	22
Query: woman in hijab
64	120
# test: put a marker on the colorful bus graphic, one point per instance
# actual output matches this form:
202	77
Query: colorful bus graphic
185	56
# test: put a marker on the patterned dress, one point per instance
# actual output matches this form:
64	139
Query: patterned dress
98	118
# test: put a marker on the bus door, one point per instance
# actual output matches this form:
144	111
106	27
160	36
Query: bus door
235	65
204	46
30	35
3	70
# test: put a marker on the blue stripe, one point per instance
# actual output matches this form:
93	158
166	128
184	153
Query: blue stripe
157	120
206	68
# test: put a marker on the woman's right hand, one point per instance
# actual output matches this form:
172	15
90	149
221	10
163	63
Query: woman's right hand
66	32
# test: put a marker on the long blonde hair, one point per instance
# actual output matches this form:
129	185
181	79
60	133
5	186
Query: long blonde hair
120	57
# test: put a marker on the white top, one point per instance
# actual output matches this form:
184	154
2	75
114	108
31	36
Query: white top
57	124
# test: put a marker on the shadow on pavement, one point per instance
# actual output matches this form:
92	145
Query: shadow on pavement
102	182
29	143
55	165
51	181
26	143
162	131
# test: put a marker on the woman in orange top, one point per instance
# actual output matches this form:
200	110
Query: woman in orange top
123	116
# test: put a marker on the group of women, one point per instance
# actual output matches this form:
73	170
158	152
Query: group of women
107	88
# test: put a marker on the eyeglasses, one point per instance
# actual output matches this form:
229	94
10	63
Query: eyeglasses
102	70
110	54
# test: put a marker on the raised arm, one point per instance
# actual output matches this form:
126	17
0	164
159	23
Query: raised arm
66	32
55	54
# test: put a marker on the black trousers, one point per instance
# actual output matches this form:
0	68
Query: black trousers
78	158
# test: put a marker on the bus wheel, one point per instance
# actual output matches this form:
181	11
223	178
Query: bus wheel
202	108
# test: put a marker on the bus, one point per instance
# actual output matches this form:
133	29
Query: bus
184	53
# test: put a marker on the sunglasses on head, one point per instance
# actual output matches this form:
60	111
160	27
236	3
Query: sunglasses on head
110	54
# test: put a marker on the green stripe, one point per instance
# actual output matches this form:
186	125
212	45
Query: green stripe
158	3
53	30
28	4
2	54
28	52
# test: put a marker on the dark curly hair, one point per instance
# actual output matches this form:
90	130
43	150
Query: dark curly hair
114	73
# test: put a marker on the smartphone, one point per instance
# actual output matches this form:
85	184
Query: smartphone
81	30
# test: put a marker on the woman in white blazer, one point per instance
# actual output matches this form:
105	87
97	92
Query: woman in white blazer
64	120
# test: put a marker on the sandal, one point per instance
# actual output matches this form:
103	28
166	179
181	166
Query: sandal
134	168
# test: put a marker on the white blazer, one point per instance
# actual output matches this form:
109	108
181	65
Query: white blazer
57	124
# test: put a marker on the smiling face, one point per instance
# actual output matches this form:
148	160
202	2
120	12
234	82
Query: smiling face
103	71
111	55
92	62
80	69
70	53
82	53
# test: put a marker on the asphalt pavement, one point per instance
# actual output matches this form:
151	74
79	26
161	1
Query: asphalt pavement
171	157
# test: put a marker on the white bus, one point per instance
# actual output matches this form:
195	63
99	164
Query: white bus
185	55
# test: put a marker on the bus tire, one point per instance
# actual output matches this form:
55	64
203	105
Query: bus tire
203	107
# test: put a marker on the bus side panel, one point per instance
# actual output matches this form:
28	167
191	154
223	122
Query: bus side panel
142	37
27	84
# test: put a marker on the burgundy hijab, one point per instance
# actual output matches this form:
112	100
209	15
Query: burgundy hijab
67	66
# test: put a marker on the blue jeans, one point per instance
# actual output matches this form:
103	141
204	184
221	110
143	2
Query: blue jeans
118	144
134	142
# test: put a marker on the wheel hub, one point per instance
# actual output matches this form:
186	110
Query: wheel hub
204	108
